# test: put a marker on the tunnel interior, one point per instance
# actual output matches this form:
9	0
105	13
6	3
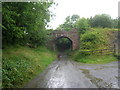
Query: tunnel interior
63	44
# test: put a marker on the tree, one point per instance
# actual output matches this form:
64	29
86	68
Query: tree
74	18
69	22
115	23
102	20
82	24
24	22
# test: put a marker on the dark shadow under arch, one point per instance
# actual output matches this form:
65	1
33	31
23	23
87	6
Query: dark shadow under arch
63	43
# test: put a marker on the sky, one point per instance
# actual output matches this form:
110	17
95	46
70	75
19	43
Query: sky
83	8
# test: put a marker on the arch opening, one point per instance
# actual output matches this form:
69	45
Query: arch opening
63	44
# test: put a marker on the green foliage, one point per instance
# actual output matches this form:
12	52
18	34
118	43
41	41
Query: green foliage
21	64
69	22
82	24
115	23
95	38
119	22
95	59
81	54
74	18
101	20
24	22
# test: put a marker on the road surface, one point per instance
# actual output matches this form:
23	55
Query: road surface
65	73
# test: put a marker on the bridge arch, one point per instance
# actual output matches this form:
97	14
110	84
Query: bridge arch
64	46
71	35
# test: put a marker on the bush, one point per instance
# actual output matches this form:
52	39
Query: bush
94	39
22	64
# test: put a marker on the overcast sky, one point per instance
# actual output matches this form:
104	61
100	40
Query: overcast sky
83	8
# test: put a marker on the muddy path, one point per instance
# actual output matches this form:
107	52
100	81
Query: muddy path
65	73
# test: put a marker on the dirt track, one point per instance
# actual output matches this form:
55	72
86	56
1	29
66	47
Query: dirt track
66	73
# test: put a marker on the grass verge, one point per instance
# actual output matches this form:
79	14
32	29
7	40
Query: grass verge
103	59
92	59
21	64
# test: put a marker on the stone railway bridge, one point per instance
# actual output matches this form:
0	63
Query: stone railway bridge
72	35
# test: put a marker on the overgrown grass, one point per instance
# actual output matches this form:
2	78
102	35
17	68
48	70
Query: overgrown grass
84	57
95	59
21	64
